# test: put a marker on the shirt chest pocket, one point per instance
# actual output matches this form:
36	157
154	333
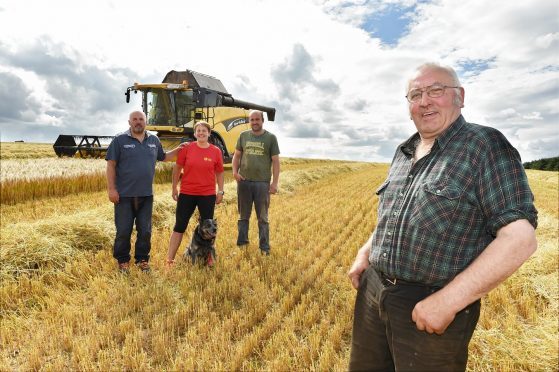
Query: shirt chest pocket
381	193
434	206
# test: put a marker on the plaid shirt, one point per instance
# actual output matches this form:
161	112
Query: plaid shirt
437	215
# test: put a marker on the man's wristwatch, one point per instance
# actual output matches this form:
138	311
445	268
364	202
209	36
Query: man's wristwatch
221	192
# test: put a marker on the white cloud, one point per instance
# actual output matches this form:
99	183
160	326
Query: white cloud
339	91
545	41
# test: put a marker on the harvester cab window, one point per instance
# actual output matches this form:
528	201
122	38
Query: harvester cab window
160	110
184	106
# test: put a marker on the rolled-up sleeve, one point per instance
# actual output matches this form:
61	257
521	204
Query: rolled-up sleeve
504	192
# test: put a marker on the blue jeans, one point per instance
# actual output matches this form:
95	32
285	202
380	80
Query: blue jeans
386	339
128	211
257	193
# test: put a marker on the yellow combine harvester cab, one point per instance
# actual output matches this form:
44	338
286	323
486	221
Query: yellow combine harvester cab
172	108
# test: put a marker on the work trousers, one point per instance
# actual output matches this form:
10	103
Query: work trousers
386	339
127	211
186	206
257	193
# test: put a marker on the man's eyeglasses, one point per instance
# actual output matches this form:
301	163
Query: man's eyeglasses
433	91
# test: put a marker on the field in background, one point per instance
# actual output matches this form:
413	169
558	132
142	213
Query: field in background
63	306
26	150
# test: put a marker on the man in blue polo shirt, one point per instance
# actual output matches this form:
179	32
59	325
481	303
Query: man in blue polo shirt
131	158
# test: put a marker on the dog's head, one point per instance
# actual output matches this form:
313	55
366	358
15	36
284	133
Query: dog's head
208	229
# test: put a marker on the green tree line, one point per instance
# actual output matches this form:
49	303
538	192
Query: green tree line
549	164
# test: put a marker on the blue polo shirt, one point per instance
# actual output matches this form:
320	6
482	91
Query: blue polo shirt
135	163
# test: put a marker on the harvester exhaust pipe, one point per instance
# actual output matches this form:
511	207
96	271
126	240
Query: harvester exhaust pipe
232	102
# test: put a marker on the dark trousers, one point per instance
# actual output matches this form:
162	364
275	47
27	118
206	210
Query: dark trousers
186	206
257	193
127	211
386	339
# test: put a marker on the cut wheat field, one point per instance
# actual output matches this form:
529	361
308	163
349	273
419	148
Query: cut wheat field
63	306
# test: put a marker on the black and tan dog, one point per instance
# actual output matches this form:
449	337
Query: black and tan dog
202	246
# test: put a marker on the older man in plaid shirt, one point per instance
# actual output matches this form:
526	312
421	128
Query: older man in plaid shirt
455	218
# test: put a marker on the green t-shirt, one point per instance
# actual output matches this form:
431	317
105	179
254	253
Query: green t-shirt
257	152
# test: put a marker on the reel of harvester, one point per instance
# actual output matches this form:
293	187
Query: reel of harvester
82	146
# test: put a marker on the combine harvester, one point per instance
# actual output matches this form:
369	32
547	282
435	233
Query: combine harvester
172	108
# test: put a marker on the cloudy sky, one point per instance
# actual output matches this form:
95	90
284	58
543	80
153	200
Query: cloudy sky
334	69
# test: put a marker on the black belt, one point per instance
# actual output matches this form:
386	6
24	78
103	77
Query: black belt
391	281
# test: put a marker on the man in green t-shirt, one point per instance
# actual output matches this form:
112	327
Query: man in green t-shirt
256	163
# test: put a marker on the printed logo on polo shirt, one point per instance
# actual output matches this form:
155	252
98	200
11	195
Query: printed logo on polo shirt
151	145
207	159
129	146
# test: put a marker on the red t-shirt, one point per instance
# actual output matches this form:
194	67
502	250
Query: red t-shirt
199	169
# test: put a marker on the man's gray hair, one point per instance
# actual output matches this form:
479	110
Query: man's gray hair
437	66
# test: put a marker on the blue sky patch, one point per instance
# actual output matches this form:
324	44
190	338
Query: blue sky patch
473	67
389	24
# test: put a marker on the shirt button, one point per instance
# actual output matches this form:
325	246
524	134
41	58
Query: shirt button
438	192
384	254
410	176
395	213
401	194
389	233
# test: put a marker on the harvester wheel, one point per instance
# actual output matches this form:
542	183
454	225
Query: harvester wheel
215	140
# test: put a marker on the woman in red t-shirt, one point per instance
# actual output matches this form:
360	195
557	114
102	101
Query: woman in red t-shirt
202	165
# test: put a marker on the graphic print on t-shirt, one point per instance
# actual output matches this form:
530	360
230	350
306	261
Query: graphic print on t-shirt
254	148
